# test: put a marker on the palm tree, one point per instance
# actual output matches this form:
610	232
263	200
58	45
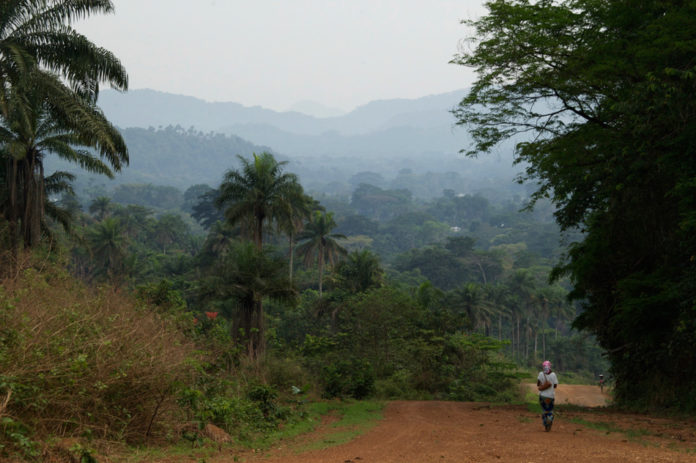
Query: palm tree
39	53
317	239
297	209
247	276
259	191
360	271
37	33
100	207
108	246
34	127
471	300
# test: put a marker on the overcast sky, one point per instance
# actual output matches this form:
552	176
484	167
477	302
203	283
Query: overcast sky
275	53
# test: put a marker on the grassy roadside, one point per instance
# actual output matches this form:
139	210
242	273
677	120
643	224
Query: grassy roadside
333	422
356	418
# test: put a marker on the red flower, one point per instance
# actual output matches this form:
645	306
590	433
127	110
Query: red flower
211	315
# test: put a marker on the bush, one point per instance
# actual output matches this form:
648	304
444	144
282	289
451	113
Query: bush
78	362
348	378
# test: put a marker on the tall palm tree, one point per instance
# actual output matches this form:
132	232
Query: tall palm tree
256	193
297	209
317	240
34	127
39	53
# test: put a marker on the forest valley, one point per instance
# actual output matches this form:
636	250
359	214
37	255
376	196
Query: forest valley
204	312
146	313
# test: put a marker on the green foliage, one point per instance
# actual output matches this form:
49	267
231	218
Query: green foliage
348	378
318	243
605	92
382	342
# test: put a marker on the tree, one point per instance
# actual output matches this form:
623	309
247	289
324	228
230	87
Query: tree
245	276
37	33
100	207
256	193
108	246
298	207
317	240
521	288
39	53
36	123
470	299
359	272
599	99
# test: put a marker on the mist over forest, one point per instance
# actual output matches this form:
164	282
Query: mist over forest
182	141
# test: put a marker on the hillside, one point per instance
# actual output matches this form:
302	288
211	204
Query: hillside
181	141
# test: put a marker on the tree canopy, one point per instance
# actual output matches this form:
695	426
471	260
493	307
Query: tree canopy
599	99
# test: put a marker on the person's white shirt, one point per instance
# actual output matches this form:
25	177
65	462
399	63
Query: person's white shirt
551	378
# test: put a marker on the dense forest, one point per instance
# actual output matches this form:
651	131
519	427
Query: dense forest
140	310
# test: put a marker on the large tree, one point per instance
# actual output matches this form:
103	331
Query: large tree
600	99
49	82
257	193
39	122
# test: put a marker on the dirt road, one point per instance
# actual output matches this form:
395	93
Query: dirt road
585	396
422	432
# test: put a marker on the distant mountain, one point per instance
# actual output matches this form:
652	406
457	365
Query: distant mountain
150	108
181	141
405	140
314	109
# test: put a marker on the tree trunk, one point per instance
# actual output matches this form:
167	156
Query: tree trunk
483	273
518	335
258	233
291	238
543	343
257	335
321	269
526	339
13	228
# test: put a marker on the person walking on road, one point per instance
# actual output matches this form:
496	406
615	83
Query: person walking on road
547	383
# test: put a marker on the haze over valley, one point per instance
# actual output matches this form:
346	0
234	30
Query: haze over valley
181	141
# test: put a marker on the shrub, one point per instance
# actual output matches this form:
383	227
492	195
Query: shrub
82	362
348	378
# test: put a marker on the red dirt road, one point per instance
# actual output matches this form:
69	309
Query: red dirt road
585	396
455	432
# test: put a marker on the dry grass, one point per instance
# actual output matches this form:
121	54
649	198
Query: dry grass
76	361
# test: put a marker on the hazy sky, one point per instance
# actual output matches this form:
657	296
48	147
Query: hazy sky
275	53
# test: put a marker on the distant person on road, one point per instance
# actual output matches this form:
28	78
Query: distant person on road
547	383
601	383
